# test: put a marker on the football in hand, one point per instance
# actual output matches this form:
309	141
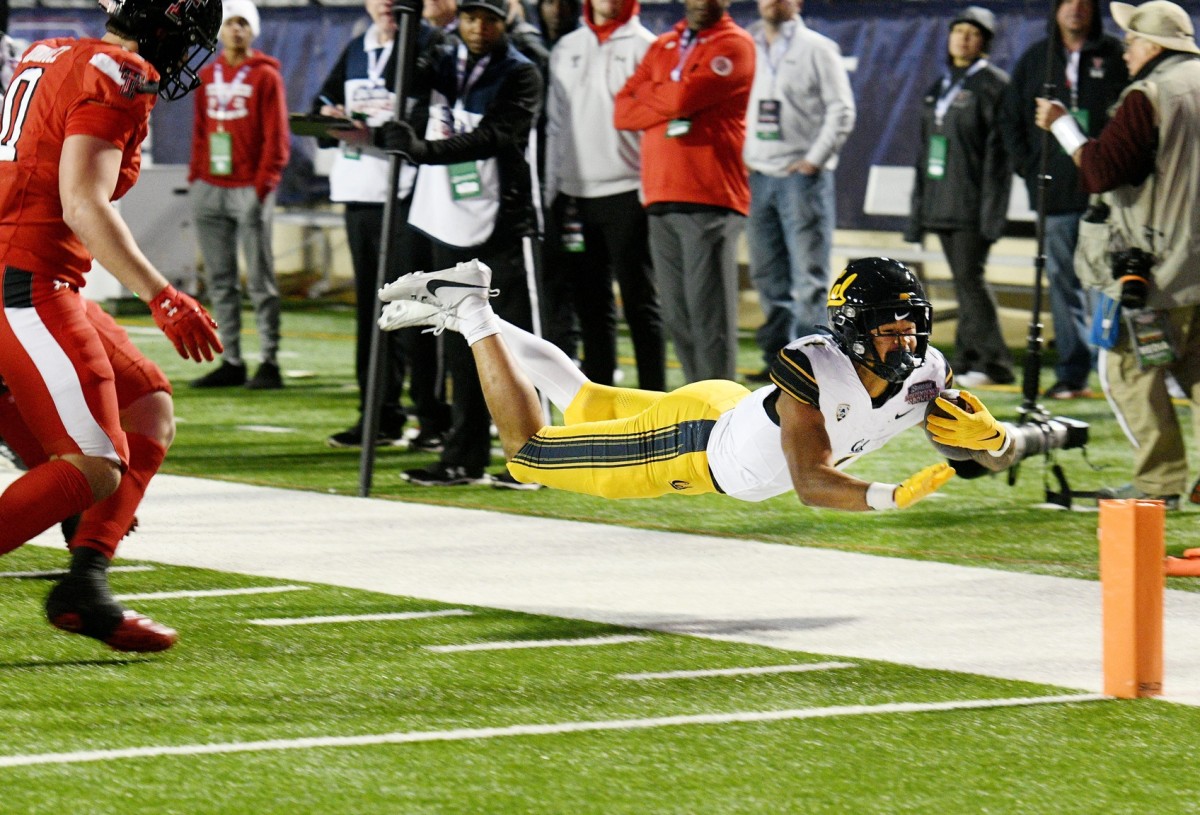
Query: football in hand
932	409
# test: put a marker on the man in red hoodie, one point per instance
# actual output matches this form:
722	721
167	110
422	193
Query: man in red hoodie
239	149
689	97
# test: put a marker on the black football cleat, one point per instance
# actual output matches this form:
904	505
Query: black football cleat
81	603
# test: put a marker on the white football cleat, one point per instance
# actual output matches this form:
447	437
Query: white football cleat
444	289
410	313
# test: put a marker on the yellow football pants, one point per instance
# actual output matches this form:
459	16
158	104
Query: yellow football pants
626	443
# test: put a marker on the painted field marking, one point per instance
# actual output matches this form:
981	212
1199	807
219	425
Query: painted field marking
463	734
357	618
616	639
63	573
264	428
179	595
769	669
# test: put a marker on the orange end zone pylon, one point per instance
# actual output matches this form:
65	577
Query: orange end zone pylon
1132	581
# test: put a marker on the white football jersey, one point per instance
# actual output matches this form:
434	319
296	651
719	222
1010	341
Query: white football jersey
745	451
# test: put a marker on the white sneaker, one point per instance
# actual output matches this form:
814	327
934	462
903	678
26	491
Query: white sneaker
973	379
410	313
444	289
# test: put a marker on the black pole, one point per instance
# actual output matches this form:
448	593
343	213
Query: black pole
408	18
1030	409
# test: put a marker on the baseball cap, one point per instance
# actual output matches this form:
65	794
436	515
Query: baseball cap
497	7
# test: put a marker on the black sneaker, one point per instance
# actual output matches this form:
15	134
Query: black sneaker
82	603
266	378
427	442
352	437
505	481
444	475
226	376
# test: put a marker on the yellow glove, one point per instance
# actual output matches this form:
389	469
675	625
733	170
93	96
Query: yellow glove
977	430
922	484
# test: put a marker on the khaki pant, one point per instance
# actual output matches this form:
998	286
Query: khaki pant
1143	407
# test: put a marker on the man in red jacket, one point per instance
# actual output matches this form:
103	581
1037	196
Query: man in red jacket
239	149
689	97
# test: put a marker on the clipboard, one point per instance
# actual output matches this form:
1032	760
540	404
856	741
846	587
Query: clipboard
314	124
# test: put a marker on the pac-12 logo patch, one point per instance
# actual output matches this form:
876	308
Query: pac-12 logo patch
721	66
842	411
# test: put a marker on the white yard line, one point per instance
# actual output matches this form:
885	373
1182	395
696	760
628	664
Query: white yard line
180	595
768	669
615	639
464	734
359	618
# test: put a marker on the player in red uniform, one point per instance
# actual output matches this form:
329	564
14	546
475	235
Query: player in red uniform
73	120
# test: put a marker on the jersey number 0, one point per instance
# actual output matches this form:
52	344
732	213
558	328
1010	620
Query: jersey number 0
20	94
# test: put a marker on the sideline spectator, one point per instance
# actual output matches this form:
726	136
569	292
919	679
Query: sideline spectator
474	197
801	113
593	185
962	183
556	19
240	145
1088	74
1146	160
361	85
98	414
689	96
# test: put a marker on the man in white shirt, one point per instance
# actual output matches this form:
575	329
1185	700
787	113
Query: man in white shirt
593	184
800	114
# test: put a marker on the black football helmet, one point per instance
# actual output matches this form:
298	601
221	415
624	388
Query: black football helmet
175	36
871	292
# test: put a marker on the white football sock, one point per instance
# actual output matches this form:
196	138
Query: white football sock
476	319
551	371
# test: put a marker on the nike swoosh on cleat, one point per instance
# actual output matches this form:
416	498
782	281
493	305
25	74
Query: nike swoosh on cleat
434	285
905	413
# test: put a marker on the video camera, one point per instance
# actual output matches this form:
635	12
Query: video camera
1041	435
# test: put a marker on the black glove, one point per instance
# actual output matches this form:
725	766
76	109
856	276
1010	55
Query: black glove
399	137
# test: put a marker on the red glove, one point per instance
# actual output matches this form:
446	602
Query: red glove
186	323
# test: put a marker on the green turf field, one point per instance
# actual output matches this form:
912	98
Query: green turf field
362	717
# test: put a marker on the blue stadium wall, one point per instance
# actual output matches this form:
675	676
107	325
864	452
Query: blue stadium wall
896	50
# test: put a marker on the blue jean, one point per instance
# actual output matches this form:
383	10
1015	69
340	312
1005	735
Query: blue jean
790	236
1068	301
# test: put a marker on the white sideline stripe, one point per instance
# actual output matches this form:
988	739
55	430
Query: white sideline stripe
768	669
56	572
264	428
463	734
356	618
616	639
178	595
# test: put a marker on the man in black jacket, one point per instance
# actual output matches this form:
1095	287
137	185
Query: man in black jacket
1087	72
474	198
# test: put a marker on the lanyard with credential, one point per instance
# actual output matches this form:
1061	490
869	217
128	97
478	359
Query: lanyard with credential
376	61
687	41
949	92
775	52
223	92
465	83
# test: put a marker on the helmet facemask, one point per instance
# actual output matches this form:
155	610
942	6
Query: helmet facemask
175	36
855	325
